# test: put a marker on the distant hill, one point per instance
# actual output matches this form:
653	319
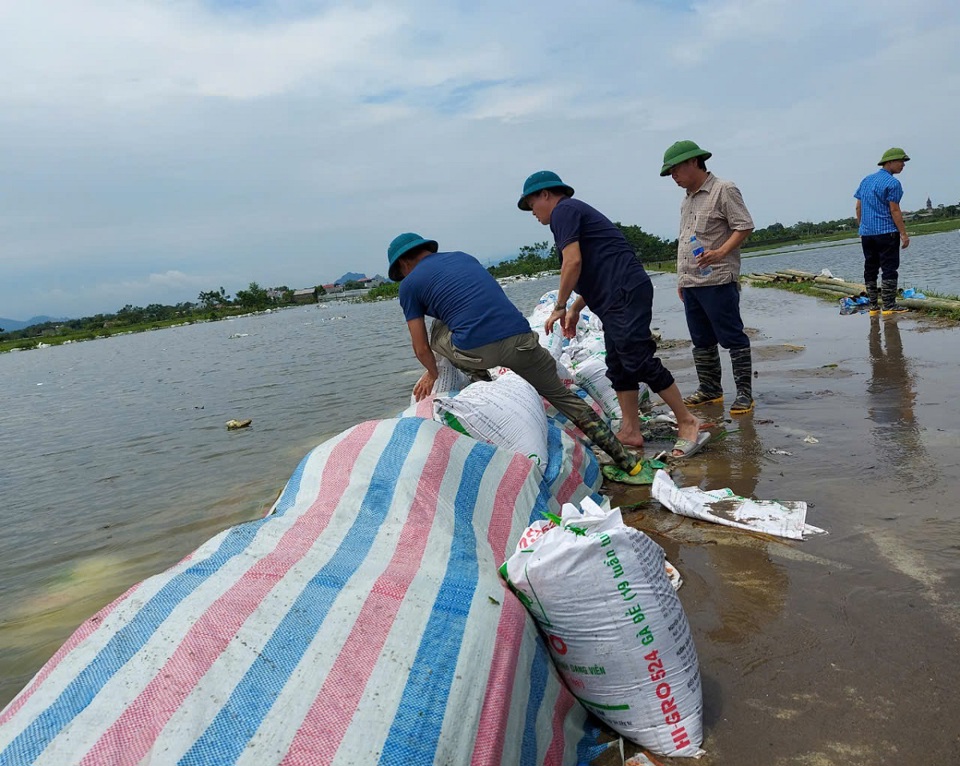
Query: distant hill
9	325
350	276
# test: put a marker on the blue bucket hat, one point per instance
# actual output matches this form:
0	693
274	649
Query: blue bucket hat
542	179
403	244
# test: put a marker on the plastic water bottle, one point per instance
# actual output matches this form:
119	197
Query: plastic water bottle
697	249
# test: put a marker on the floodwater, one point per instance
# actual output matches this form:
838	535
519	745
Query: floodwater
837	650
841	649
931	262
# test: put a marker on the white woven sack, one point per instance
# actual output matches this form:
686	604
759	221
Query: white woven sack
507	412
585	345
449	380
591	376
614	624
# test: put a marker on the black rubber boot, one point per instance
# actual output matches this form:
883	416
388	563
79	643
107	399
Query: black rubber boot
742	362
888	289
890	305
874	296
710	389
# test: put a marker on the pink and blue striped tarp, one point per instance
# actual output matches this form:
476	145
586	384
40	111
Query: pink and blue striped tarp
362	621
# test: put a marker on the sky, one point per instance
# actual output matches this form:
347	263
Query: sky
154	149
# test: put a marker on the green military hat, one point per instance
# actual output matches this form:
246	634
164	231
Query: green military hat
894	153
681	152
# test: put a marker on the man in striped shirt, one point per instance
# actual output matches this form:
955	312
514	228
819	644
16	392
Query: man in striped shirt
882	231
712	210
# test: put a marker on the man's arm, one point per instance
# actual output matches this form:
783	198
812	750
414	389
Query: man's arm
421	347
572	317
901	226
733	242
569	274
859	213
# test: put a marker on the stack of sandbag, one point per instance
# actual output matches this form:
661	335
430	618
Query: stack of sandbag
361	621
554	342
614	624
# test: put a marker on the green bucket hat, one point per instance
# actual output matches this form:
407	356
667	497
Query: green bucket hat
542	179
401	245
894	153
681	152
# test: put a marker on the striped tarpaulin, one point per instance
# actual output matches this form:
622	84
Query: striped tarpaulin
362	621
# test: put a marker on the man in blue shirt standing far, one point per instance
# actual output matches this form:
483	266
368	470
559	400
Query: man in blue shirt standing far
477	328
882	231
600	265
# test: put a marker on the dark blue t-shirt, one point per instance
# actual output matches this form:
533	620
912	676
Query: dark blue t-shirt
457	290
608	262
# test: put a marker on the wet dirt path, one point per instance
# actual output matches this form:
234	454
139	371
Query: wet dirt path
842	649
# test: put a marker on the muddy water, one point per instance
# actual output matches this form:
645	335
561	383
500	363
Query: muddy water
838	650
841	649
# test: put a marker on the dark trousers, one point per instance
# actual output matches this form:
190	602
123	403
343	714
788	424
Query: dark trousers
631	350
713	316
881	252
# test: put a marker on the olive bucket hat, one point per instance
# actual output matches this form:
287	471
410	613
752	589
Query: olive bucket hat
681	152
894	153
403	244
542	179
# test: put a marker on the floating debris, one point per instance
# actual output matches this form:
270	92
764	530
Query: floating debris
233	425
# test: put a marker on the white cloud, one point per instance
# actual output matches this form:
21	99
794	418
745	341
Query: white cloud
287	143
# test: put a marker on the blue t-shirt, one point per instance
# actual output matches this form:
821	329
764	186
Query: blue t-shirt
457	290
609	265
875	193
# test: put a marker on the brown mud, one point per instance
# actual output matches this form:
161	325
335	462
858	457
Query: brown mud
842	649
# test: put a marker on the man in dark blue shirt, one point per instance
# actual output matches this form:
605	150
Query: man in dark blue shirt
477	328
597	262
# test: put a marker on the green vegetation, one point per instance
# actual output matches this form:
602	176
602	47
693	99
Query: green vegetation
383	292
928	221
211	305
653	252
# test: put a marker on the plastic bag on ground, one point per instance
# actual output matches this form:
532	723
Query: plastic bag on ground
784	518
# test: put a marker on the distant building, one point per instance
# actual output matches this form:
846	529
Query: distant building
929	204
333	288
306	295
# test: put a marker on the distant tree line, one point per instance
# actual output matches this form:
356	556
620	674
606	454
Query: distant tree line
542	256
210	304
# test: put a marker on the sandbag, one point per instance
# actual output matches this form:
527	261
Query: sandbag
614	624
591	376
507	412
449	380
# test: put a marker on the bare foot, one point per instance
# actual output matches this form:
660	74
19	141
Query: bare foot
630	438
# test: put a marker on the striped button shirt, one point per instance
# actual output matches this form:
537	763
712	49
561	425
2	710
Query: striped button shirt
713	212
875	193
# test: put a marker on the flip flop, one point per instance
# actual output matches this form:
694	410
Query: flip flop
689	448
644	476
